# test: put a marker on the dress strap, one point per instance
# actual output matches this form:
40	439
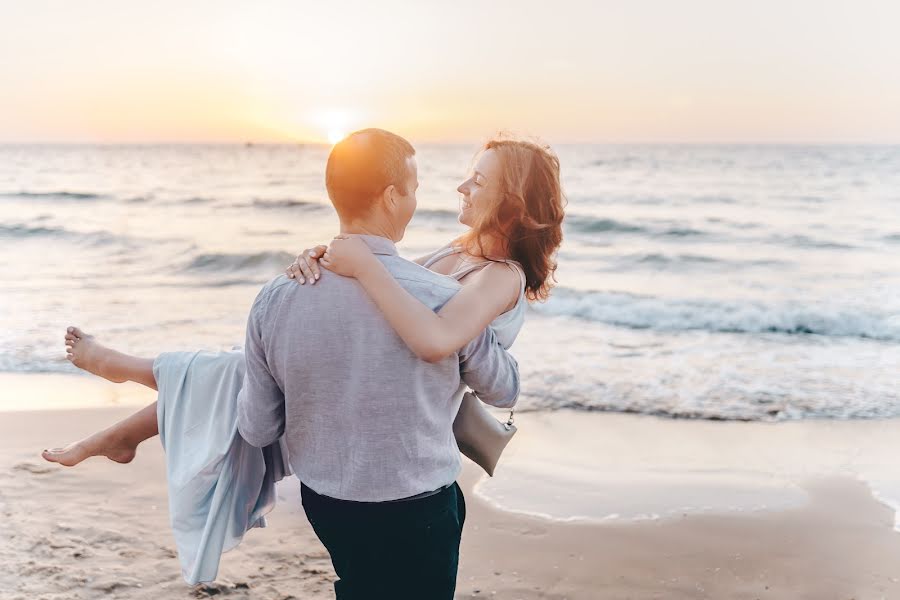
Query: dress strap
480	265
439	254
469	268
459	274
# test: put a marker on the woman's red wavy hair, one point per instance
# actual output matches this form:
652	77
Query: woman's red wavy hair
528	218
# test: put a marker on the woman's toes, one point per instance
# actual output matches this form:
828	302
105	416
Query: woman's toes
52	455
69	456
76	331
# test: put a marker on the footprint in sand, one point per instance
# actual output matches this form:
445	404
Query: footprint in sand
113	585
33	468
214	588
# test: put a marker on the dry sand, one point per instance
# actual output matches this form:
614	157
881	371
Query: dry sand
100	530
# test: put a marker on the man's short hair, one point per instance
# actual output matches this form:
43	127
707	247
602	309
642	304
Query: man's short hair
361	166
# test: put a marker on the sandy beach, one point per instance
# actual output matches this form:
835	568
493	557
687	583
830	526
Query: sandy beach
682	220
101	531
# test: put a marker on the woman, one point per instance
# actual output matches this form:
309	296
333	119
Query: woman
513	204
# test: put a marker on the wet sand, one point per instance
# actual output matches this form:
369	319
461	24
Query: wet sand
100	530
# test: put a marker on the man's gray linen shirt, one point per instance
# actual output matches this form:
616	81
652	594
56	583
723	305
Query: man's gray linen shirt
363	418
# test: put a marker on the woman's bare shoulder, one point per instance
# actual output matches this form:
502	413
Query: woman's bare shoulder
500	278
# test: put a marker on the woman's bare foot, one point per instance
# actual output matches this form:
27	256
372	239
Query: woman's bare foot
86	353
102	443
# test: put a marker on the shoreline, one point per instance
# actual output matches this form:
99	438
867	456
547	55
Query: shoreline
101	529
615	464
564	446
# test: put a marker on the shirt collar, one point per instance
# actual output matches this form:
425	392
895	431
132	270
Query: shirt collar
377	244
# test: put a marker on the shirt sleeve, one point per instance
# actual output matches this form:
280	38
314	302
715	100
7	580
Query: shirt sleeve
261	401
491	371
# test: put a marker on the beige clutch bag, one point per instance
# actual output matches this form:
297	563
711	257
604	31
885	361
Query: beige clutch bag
479	435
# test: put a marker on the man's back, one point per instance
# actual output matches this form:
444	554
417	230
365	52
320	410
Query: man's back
364	419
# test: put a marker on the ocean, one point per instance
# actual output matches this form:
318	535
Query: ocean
715	282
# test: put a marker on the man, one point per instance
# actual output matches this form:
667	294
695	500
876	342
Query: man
368	425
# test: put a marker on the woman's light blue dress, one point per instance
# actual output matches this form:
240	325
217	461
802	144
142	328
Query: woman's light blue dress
219	485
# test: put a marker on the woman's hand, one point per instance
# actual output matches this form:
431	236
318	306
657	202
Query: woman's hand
306	266
348	256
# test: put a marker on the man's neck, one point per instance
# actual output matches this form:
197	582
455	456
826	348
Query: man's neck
365	229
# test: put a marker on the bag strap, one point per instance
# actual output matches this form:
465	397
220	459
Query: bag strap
478	266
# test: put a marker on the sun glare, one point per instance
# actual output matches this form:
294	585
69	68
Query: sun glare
334	136
336	123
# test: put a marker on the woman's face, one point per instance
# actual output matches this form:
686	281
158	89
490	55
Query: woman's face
481	191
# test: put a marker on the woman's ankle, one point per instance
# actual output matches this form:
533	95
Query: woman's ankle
111	365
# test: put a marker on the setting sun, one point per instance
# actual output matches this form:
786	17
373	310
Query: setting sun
335	136
336	123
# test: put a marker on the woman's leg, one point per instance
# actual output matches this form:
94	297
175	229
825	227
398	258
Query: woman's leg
118	442
86	353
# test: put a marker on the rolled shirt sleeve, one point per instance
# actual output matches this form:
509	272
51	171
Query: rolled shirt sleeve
261	415
491	371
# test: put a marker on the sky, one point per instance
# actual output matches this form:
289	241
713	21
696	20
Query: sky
692	71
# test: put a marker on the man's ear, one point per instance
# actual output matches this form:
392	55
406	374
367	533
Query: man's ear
389	196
